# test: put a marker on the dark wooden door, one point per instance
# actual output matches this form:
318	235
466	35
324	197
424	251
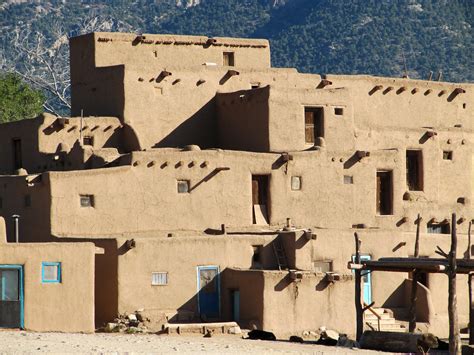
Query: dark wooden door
384	192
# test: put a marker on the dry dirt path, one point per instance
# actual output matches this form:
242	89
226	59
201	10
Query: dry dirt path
60	343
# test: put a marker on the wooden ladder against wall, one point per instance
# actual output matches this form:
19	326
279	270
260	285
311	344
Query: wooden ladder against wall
280	254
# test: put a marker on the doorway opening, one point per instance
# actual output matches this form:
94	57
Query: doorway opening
384	193
260	193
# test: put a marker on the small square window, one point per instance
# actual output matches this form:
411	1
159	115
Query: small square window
348	179
447	155
88	140
255	85
183	186
51	272
438	228
338	111
27	200
159	278
322	265
87	200
296	183
228	59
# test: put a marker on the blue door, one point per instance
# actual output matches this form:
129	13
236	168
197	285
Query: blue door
11	296
366	282
208	291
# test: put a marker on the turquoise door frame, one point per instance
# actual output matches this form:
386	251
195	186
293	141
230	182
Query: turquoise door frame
366	280
208	291
19	269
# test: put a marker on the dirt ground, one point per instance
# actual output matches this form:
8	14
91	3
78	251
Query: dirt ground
26	342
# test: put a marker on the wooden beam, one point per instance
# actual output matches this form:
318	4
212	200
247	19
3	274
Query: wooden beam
454	337
469	282
414	282
358	301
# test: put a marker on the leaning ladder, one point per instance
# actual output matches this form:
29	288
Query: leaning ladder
280	255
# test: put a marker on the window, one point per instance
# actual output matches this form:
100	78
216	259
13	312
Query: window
447	155
255	85
322	265
87	200
228	59
27	201
338	111
183	186
88	140
314	123
159	278
438	228
17	160
296	183
1	203
414	159
51	272
348	179
384	192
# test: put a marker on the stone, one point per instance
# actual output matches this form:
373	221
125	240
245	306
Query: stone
132	317
111	327
234	330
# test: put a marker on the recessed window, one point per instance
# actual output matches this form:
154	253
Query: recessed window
27	201
322	265
296	183
228	59
338	111
159	278
348	179
87	200
314	123
447	155
438	228
384	193
51	272
414	160
183	186
88	140
255	85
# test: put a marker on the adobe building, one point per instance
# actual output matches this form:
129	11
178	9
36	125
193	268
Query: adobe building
215	187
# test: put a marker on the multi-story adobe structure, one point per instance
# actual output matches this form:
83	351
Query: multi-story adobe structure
186	156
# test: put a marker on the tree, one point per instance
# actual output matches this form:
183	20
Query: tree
17	100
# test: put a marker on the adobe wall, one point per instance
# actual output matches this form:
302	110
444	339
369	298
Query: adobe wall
102	49
52	143
216	197
29	197
242	120
292	308
67	306
3	231
180	256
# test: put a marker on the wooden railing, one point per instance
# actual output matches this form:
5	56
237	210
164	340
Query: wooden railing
369	308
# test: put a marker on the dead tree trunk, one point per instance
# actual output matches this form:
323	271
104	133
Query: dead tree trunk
469	282
358	301
414	283
454	338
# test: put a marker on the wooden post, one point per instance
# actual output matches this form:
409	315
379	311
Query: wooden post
414	283
454	338
469	282
358	301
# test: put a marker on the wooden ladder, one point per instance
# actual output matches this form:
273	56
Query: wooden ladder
280	254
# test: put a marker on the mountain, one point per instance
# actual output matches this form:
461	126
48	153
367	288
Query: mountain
379	37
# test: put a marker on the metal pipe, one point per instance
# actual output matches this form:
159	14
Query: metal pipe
16	227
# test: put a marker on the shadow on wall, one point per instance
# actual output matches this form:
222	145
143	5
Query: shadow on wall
105	279
199	129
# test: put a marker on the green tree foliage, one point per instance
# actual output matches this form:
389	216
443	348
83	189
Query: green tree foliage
17	100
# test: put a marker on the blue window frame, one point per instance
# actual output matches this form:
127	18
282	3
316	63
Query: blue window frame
50	272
